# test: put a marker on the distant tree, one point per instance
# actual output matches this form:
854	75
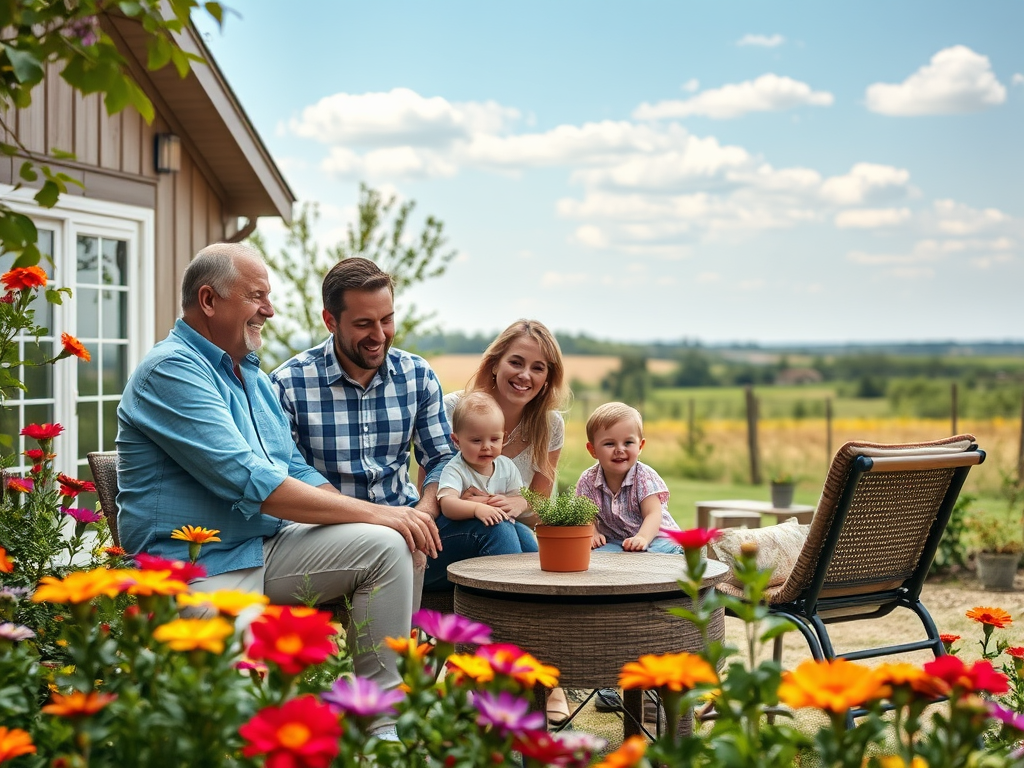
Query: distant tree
694	370
630	382
379	234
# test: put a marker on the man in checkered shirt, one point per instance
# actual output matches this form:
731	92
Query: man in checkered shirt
356	405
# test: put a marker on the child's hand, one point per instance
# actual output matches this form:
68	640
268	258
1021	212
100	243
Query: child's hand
598	541
489	515
636	543
504	503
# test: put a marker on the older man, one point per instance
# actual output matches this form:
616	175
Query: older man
202	441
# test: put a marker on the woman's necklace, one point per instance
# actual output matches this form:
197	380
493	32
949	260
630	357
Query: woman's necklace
512	434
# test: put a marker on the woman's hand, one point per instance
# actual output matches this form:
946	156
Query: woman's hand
489	515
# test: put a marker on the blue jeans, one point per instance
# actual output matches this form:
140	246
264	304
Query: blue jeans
660	544
463	539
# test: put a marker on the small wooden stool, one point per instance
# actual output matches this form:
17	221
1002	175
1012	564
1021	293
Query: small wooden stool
734	518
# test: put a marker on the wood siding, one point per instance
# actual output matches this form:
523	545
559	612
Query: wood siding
114	160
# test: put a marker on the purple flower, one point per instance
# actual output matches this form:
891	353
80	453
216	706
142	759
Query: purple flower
86	29
583	745
451	628
82	515
1006	716
361	697
13	593
15	632
507	713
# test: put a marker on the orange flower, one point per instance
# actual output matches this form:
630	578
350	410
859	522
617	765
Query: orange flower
676	671
74	347
995	617
229	601
79	587
195	534
628	755
896	761
195	634
407	646
21	278
908	676
142	583
835	686
470	666
529	672
78	704
14	742
6	564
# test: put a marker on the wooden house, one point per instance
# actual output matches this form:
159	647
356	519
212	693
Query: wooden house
153	195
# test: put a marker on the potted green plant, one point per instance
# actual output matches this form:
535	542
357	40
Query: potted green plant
998	539
783	484
565	529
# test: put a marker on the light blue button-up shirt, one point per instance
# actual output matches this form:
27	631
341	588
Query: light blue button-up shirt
196	447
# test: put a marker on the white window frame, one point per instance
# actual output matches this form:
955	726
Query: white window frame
72	216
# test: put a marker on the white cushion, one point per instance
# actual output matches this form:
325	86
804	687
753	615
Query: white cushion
778	547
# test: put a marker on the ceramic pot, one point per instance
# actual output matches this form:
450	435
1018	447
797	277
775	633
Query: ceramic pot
782	495
997	569
564	548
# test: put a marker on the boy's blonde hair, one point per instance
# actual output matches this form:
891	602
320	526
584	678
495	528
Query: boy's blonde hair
475	403
612	413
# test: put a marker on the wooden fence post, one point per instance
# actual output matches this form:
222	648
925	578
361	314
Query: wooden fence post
955	409
755	458
1020	450
691	428
828	431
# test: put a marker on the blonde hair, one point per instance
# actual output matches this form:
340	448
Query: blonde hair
535	429
608	414
472	404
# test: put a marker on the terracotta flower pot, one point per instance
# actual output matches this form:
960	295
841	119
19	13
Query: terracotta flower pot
564	548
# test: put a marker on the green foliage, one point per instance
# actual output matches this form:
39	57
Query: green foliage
952	551
379	235
563	508
629	384
68	36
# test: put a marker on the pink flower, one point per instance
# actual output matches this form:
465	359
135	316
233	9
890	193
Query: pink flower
695	538
180	570
451	628
21	484
84	516
507	713
361	697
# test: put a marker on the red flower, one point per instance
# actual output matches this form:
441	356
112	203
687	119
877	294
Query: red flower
948	639
292	638
695	538
42	431
301	733
69	486
180	570
979	677
74	347
37	455
1016	652
20	484
20	278
542	747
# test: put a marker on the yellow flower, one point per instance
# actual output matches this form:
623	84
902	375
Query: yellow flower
195	534
895	761
626	756
195	634
835	686
152	583
995	617
79	587
407	646
77	704
472	667
535	672
229	601
675	671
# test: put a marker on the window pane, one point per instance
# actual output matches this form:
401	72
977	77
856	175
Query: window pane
10	426
41	413
89	375
109	425
115	368
115	258
115	315
38	378
88	428
88	259
87	300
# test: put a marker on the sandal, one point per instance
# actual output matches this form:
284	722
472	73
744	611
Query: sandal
557	707
608	700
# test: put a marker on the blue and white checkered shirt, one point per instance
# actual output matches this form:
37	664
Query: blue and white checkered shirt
359	439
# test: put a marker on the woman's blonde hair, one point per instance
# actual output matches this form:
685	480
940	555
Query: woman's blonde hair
535	428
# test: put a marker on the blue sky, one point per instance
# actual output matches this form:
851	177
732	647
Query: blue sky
719	171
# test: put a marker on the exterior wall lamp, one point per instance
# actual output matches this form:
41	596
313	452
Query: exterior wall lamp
167	153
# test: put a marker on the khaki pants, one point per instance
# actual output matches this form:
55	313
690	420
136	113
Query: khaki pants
369	564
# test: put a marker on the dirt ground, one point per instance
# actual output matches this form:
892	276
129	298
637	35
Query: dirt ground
947	599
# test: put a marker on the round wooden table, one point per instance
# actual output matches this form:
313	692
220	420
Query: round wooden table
590	623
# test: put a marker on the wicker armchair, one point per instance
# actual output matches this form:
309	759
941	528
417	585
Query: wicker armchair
872	540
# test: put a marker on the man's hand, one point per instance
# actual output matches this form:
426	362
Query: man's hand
598	541
489	515
418	528
636	543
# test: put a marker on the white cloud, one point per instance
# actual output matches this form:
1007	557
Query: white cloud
955	218
708	277
768	93
763	41
591	236
957	80
564	279
866	182
871	218
691	86
400	116
1017	79
388	163
980	253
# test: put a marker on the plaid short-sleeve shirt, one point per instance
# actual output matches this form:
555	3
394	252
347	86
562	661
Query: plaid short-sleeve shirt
360	439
